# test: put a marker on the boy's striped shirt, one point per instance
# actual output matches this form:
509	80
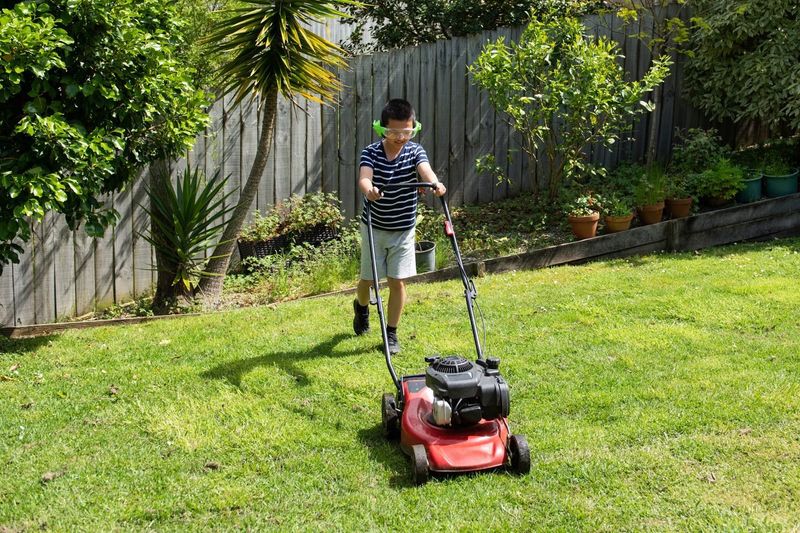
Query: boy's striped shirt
397	209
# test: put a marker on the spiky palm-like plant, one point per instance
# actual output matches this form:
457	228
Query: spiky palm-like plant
269	50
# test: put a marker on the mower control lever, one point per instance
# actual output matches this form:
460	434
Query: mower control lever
409	185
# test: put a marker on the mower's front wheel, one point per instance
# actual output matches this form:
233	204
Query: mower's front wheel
419	464
520	455
389	418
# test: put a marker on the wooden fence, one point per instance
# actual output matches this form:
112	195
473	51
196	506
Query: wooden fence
67	274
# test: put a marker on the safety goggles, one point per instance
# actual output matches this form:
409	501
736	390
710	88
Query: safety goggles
400	134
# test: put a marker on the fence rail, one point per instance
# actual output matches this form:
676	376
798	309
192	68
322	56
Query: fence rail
316	148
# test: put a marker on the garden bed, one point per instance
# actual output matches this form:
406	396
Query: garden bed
771	218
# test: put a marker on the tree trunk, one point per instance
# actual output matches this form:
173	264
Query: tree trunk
168	295
655	122
210	288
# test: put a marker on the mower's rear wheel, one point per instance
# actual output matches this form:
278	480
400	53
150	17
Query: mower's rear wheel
419	464
520	455
389	419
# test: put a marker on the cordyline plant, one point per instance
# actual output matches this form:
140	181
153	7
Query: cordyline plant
562	91
269	50
185	219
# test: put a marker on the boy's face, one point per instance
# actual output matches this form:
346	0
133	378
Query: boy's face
399	132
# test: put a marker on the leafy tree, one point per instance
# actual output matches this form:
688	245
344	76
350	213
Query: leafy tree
408	23
562	91
746	63
268	51
90	92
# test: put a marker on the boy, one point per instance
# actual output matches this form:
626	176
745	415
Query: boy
393	159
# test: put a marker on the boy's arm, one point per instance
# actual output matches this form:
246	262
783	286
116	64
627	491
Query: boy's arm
427	174
365	184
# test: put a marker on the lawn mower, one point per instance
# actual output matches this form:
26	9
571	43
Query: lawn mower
454	417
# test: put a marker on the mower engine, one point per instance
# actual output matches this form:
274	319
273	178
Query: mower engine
466	392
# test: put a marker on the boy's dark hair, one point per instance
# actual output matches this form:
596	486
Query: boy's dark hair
397	109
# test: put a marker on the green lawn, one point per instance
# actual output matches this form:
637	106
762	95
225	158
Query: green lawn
656	393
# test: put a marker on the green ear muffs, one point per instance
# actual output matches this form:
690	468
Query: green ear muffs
381	130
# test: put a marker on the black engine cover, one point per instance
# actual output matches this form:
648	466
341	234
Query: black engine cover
473	390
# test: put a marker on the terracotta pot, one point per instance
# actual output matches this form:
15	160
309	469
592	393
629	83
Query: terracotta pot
584	227
651	214
678	207
618	223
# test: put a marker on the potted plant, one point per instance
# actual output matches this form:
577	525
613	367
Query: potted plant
583	213
425	245
313	218
780	179
752	186
718	184
678	202
618	211
264	235
649	193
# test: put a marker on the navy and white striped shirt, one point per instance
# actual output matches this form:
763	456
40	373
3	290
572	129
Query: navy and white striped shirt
397	209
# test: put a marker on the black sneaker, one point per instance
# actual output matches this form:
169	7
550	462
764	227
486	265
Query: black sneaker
361	318
394	344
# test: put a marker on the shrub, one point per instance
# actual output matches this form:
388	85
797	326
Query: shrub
90	92
745	61
697	151
263	227
722	181
313	209
557	75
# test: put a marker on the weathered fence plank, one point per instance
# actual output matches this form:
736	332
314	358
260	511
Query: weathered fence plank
104	266
348	164
7	297
458	111
313	147
84	247
122	239
64	270
283	149
248	137
329	144
143	275
442	114
297	165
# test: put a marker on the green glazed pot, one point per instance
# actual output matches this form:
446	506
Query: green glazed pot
751	191
775	186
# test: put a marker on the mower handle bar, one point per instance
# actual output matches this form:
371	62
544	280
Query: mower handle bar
469	287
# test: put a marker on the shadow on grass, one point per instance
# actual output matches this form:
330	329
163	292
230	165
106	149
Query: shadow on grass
287	361
388	453
23	345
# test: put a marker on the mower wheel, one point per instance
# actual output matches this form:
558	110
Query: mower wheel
419	464
389	419
520	455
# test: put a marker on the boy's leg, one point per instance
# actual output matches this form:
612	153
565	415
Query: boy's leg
397	300
362	292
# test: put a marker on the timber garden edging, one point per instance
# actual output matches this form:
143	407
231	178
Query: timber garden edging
766	219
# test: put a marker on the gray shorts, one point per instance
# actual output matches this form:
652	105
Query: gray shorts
394	253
